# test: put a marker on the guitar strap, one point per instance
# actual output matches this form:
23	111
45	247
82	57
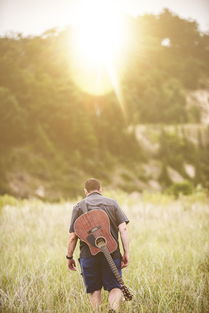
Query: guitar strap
84	207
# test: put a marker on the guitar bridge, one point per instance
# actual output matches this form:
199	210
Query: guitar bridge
94	229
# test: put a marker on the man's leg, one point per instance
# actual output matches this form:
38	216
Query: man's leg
90	268
115	297
95	299
111	284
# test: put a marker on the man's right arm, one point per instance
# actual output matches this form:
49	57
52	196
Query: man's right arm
124	238
72	241
70	249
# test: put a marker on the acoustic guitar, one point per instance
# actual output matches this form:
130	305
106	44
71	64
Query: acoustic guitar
93	227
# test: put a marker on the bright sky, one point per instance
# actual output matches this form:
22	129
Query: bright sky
36	16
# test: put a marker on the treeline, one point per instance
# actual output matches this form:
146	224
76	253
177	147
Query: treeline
170	57
51	129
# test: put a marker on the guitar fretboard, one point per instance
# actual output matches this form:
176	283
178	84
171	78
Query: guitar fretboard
126	292
112	264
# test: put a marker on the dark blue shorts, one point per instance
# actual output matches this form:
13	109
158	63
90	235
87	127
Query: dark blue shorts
97	273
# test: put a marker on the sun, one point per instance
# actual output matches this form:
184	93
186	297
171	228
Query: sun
98	45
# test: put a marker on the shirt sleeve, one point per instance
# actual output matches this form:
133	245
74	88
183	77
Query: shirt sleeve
75	215
120	215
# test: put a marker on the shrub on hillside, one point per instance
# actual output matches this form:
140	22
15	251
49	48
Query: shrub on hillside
7	200
181	188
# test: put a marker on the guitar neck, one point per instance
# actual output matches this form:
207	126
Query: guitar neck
126	292
112	265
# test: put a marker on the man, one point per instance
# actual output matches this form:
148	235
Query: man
95	269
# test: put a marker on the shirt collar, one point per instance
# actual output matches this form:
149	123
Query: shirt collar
95	192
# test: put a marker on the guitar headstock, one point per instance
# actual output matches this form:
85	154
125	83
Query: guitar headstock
126	292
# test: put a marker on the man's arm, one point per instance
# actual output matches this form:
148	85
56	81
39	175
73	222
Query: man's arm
72	241
124	238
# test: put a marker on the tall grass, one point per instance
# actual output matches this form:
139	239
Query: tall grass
169	265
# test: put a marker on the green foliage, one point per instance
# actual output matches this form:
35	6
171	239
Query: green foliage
163	104
181	188
172	149
11	119
8	200
43	112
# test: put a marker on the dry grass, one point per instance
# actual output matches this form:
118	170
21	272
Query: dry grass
169	256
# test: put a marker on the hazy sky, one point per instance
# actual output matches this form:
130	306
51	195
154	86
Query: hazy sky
36	16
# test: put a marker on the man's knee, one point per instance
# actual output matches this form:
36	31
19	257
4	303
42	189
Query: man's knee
116	291
95	299
96	295
96	292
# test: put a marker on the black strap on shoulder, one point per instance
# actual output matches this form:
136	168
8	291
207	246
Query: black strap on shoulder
84	207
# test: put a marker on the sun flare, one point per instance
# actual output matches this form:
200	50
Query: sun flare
98	44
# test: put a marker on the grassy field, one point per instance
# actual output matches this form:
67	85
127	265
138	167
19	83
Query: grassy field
169	266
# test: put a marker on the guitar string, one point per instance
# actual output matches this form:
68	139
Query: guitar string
125	290
108	256
93	219
127	294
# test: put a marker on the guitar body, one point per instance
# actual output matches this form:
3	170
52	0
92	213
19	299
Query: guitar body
93	225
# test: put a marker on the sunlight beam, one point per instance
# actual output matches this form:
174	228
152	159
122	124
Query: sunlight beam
98	44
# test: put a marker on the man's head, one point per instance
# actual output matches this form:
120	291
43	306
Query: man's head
92	185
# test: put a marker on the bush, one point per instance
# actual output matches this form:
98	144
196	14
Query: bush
184	188
7	200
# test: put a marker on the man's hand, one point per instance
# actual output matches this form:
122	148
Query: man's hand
72	265
125	260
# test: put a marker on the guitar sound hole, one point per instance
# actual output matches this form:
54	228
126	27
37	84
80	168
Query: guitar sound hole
100	242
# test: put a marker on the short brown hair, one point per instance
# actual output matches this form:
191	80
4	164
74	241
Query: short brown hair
92	184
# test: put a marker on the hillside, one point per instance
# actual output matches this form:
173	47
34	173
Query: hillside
53	135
